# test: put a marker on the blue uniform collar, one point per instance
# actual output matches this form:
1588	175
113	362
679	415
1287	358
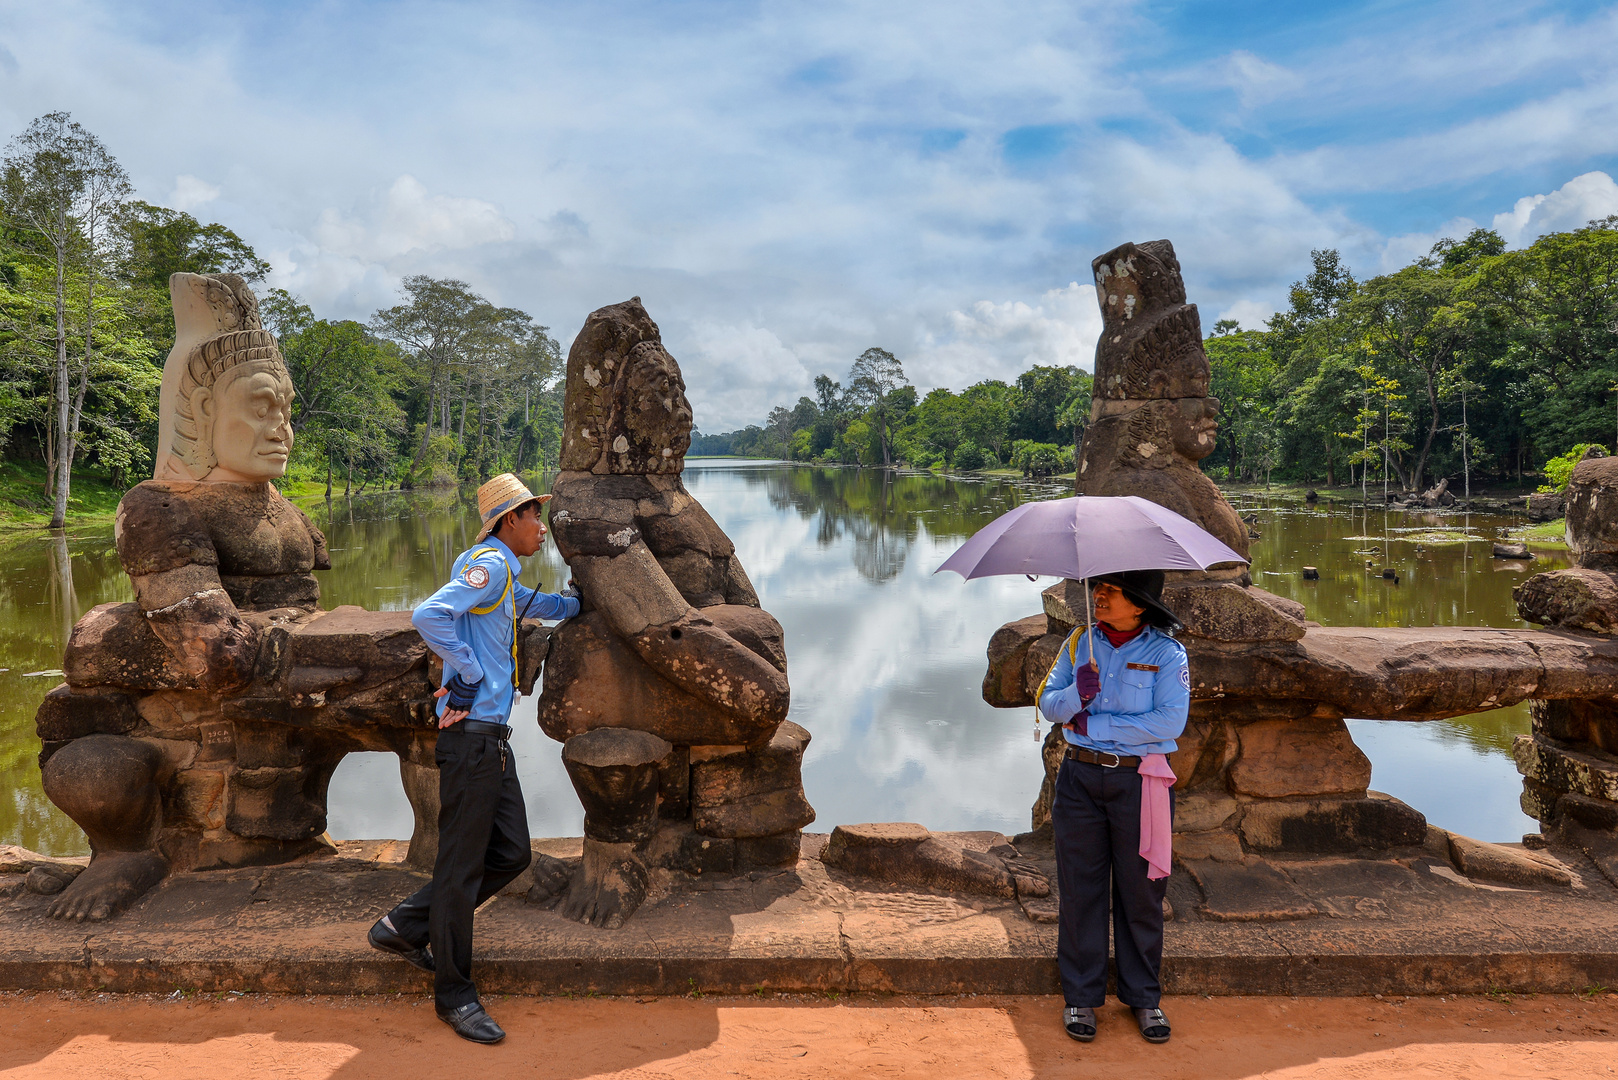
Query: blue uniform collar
512	561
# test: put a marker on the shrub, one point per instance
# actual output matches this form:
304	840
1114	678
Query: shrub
1559	470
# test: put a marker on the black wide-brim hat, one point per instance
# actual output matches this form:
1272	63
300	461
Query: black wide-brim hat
1144	588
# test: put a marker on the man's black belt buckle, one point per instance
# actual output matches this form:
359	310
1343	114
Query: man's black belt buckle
484	727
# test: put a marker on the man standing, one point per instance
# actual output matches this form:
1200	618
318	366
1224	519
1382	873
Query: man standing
482	824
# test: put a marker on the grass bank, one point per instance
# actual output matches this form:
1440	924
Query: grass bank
92	498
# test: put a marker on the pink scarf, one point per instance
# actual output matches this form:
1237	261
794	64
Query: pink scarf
1156	816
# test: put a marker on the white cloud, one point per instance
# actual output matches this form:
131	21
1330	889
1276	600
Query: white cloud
1580	200
1249	314
407	219
745	371
1402	250
1257	80
190	193
1009	336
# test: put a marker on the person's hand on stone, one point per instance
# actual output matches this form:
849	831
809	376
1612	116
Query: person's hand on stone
1087	681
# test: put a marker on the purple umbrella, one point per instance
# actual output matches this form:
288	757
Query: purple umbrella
1085	537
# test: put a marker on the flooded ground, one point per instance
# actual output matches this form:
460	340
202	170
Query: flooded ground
886	659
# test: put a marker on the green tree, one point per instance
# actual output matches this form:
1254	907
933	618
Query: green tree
872	382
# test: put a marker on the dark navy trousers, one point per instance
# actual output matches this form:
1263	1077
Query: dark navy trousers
1096	815
482	847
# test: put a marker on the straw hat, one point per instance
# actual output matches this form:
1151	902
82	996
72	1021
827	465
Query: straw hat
499	497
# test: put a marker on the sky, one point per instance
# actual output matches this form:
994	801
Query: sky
785	185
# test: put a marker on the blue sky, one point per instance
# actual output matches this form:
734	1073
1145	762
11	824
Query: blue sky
787	184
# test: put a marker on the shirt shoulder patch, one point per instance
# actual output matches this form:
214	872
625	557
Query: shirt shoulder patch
476	576
1185	677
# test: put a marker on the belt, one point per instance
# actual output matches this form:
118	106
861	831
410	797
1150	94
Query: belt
1104	759
483	727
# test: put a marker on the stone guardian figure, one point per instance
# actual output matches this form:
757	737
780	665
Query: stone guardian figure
670	690
216	556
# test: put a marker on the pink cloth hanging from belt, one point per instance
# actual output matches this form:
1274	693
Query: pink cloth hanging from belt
1156	816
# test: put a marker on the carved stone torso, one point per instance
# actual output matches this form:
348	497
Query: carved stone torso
262	547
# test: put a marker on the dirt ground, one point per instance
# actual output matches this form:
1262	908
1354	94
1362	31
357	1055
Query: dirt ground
113	1037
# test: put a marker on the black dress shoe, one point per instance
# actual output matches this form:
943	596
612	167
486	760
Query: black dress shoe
389	941
471	1022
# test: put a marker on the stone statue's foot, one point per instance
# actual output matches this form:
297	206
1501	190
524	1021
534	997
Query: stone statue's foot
112	881
607	888
551	878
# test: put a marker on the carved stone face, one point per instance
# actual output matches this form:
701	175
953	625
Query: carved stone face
248	415
1195	427
657	414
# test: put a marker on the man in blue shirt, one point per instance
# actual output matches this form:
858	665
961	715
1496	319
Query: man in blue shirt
1133	703
471	623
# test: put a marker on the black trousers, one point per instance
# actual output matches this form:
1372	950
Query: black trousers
482	847
1096	815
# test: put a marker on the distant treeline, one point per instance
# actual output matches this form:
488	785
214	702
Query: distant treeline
440	388
877	419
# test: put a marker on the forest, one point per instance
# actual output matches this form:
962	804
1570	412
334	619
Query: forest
1474	363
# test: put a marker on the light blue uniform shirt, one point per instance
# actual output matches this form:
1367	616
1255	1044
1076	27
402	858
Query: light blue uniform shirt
1144	699
478	647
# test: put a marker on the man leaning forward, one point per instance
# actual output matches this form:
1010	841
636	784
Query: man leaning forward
482	826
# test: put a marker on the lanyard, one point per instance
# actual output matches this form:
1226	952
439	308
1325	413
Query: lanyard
514	616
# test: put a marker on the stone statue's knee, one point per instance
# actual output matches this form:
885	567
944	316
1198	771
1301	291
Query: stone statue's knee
108	785
614	771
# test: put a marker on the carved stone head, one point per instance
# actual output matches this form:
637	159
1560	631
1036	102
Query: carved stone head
225	409
626	411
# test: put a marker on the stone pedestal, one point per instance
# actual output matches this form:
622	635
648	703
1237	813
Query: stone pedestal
1569	764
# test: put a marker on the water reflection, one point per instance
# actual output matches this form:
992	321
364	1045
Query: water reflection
886	659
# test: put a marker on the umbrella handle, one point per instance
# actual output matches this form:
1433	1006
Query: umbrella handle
1089	625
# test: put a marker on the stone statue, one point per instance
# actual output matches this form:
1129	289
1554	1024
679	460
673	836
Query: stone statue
669	689
1151	419
154	745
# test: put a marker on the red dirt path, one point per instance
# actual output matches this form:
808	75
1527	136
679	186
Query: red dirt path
230	1038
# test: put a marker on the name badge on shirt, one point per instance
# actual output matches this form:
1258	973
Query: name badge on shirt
1142	667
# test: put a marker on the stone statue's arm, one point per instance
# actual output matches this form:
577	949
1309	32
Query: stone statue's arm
738	589
642	606
171	561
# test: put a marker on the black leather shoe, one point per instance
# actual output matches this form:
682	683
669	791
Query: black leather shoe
389	941
471	1022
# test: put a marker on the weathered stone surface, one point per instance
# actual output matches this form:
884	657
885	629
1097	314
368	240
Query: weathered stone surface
115	645
67	713
1221	845
747	772
1572	599
1575	721
1248	890
1202	810
1331	825
768	852
196	797
1517	550
1004	683
1281	758
1064	605
1592	513
1591	813
1589	773
279	804
1495	862
1225	611
755	815
1206	749
879	834
1545	506
614	771
954	862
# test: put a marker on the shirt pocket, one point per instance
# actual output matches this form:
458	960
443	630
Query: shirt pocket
1135	690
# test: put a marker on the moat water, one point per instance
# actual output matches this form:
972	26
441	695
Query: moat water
886	659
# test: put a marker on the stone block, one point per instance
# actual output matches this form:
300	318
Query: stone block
175	714
1575	599
278	804
768	852
1064	605
1545	506
1588	773
195	798
1202	810
615	773
1221	845
951	862
1570	720
1331	825
1591	813
1539	802
381	645
755	815
1037	664
674	784
1281	758
1225	611
114	645
67	713
420	784
1592	513
1248	890
1205	751
751	771
1004	683
231	852
1495	862
679	847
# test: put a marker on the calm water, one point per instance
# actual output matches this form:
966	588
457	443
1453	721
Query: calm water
886	659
